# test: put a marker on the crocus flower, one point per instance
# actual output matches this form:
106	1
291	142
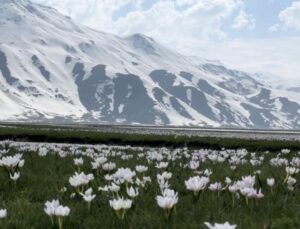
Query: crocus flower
98	162
164	176
132	193
193	165
50	207
12	164
3	213
196	184
78	180
270	182
78	162
15	176
110	166
167	201
120	206
54	208
88	196
114	188
162	165
61	212
220	226
217	186
124	175
228	181
291	183
141	168
291	170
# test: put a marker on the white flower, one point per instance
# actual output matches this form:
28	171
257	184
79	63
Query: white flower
162	165
109	166
285	151
220	226
228	181
217	186
270	182
132	193
62	211
163	184
252	193
168	199
258	172
12	161
79	179
120	204
3	213
78	161
290	183
108	177
193	165
98	162
124	175
234	188
73	195
50	207
259	194
196	183
114	188
147	179
164	176
88	195
43	152
21	163
15	176
291	170
247	182
103	189
207	172
141	168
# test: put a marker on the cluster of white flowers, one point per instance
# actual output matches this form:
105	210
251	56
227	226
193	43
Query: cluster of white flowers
167	200
120	206
246	187
124	186
78	161
80	180
98	162
110	166
124	175
54	209
197	184
141	168
13	164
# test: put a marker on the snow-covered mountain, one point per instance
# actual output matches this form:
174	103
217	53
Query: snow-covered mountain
52	69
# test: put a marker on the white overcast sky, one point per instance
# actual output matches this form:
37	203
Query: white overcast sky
252	35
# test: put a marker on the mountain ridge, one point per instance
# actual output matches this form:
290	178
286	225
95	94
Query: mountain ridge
53	69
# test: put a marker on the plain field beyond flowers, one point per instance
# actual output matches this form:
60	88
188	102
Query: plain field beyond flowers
85	186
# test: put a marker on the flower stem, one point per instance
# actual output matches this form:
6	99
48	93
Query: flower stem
60	222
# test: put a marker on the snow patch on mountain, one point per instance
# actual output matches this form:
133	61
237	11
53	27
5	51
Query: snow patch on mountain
53	69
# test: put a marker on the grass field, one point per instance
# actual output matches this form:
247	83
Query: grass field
48	167
76	135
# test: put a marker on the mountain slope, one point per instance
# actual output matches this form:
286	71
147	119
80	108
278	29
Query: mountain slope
53	69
